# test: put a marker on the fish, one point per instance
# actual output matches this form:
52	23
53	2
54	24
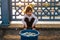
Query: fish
28	34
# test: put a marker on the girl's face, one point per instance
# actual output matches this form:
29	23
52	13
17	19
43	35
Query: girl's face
29	13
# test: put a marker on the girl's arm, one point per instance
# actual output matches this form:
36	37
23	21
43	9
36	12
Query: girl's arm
35	21
24	23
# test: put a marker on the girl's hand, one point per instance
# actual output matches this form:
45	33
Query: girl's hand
25	27
32	26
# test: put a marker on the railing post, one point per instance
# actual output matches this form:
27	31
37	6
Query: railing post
5	12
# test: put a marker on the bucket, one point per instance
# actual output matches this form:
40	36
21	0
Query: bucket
29	37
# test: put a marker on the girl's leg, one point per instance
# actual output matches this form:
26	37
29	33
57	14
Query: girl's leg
28	23
31	22
26	20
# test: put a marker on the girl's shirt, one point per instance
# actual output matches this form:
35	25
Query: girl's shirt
29	17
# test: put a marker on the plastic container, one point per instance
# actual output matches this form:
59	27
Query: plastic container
23	37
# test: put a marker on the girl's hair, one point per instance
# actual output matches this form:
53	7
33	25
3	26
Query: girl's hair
27	9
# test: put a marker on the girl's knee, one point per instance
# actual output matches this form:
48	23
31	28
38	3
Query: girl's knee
26	19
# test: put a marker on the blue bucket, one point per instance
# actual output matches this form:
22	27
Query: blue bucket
23	37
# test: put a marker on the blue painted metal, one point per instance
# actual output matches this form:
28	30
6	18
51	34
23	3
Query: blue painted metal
0	10
10	9
5	12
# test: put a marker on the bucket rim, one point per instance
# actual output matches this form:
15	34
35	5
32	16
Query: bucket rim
29	29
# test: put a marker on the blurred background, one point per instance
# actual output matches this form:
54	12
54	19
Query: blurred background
47	12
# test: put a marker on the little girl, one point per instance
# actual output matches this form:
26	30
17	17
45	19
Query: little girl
29	20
